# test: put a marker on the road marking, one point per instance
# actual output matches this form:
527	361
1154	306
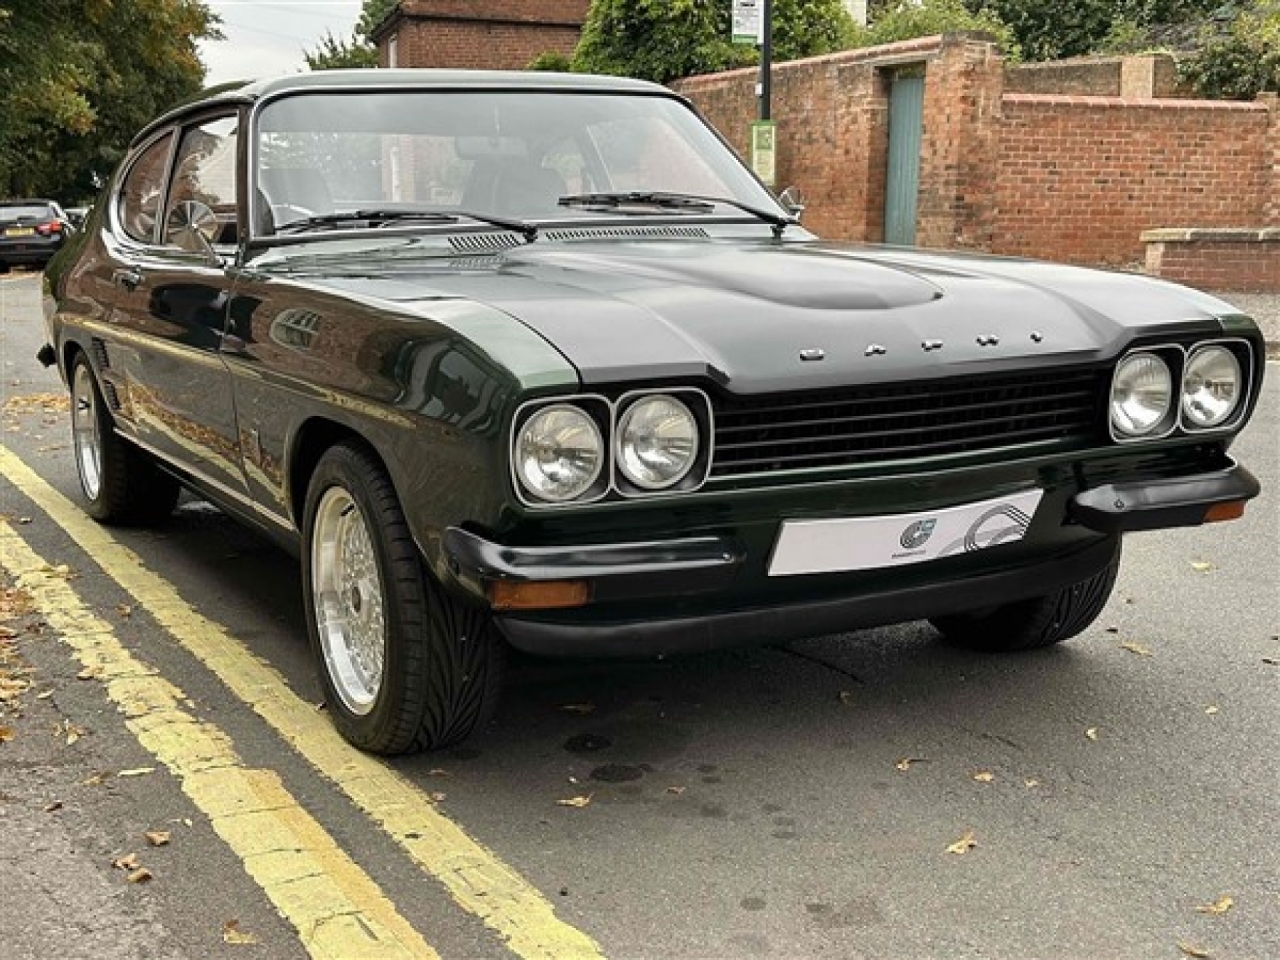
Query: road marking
338	911
476	878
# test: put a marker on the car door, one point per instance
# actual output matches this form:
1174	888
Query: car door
170	302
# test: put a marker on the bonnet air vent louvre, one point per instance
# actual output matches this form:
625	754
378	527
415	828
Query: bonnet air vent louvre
627	233
484	242
858	426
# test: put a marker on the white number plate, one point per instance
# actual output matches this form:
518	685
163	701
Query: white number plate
867	543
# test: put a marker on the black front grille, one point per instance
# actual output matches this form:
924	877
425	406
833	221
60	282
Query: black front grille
856	426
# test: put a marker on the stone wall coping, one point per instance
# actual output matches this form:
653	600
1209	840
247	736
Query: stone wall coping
920	48
1212	235
1122	103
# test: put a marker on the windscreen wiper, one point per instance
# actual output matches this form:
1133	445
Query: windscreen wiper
674	201
377	216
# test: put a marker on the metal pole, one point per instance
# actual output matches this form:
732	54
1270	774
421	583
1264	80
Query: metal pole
766	58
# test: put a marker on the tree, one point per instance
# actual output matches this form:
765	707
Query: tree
1053	29
360	51
663	40
78	78
895	20
1240	57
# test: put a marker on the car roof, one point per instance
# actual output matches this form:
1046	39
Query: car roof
406	79
24	203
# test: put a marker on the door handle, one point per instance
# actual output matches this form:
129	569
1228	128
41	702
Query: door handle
129	277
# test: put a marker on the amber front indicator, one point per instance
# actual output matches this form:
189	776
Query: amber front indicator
538	594
1224	511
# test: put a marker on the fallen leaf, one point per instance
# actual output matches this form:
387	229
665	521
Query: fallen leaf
141	875
44	695
89	673
96	780
1218	907
578	802
905	763
1137	648
846	697
68	730
128	862
984	776
1211	710
1271	661
1193	951
436	797
437	772
963	845
6	734
579	708
676	791
124	610
157	838
231	933
1030	783
136	772
51	807
1112	629
1201	566
1092	733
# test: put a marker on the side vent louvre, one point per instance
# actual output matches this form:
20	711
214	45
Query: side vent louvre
627	233
484	242
112	395
99	347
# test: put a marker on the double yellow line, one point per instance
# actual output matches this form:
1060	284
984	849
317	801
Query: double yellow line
335	906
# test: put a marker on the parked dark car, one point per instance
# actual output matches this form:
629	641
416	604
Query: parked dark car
31	232
534	359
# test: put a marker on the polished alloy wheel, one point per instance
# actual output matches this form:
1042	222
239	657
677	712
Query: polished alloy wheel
348	598
85	431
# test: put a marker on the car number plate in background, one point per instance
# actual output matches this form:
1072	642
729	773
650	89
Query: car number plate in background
19	232
868	543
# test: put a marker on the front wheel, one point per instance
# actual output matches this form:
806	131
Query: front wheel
121	484
1037	622
404	666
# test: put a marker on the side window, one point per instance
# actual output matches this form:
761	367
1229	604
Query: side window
142	189
202	196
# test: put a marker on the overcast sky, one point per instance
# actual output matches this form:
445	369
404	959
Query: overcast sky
265	38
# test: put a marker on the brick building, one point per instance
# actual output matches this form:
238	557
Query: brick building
478	34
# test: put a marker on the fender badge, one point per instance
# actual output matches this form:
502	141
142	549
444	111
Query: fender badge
813	353
874	350
1037	337
988	340
930	345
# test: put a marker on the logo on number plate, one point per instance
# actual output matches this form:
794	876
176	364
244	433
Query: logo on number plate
918	534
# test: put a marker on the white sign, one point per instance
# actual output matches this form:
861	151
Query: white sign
748	21
869	543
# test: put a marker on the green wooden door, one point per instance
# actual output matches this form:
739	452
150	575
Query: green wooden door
906	128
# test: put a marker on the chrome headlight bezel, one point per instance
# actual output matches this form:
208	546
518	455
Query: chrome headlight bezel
1168	357
698	404
1185	406
595	412
628	461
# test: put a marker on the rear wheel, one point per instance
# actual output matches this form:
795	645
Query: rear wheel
405	667
1037	622
121	484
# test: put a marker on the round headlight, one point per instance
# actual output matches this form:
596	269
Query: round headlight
559	453
1141	394
1210	387
657	442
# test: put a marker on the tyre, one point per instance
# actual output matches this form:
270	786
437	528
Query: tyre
120	483
1037	622
404	666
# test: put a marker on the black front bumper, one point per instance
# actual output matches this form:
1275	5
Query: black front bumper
702	578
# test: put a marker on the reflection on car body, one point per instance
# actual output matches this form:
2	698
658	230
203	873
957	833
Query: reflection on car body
532	359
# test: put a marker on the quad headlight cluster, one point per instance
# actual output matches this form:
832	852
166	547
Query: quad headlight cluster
1158	390
579	449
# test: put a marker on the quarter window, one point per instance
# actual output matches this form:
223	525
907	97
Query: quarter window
143	187
203	192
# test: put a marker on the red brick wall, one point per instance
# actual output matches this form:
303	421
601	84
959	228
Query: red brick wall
480	34
1080	178
1244	261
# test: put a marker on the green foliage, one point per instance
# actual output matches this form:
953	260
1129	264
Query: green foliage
552	60
78	78
335	54
663	40
1054	29
896	20
371	14
1240	58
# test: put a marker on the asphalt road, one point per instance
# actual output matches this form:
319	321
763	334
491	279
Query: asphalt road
1117	790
